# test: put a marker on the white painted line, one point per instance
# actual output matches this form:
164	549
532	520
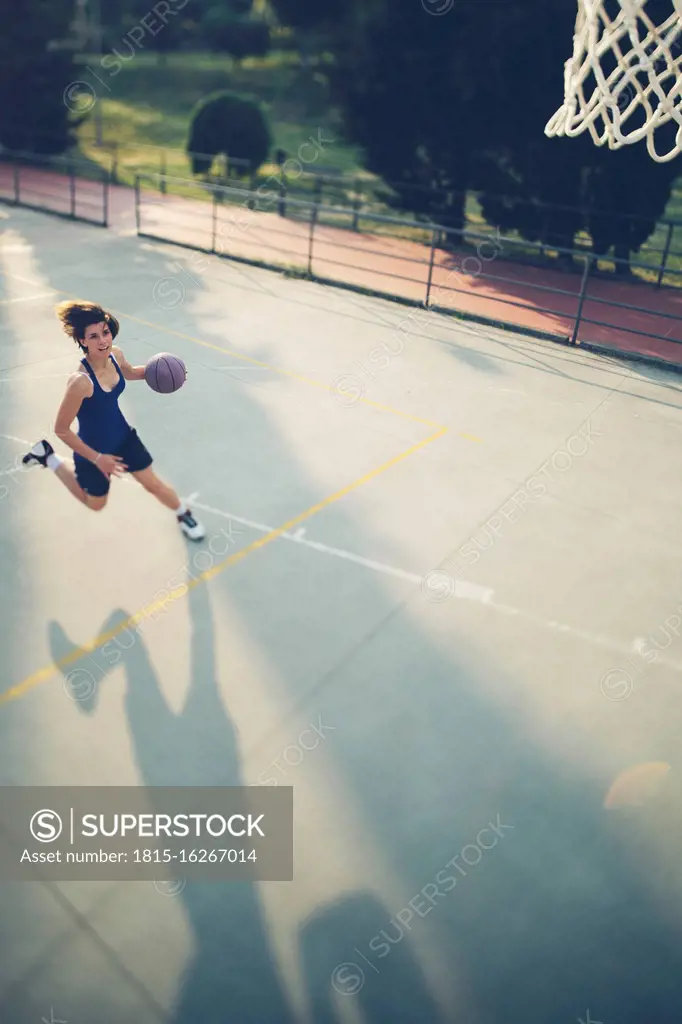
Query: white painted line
20	440
39	376
473	592
26	298
348	556
560	627
594	639
27	280
238	519
462	588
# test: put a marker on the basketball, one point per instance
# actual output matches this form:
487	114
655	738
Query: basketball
165	373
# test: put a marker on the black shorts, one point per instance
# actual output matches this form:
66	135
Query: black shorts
95	483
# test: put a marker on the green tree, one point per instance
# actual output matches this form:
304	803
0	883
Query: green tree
226	123
37	107
226	30
137	26
309	14
445	104
315	23
613	181
442	104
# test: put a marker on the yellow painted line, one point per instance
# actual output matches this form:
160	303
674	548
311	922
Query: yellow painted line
44	674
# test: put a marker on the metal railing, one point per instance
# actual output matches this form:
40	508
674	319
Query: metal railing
365	194
659	258
62	185
431	272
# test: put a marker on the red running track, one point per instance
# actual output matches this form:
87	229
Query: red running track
503	292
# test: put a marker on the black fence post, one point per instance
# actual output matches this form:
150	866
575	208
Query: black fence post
357	199
164	168
317	190
137	203
313	222
251	172
664	258
543	234
434	237
72	188
105	200
589	259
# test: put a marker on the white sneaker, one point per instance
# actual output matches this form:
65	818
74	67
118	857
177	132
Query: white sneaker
38	454
191	527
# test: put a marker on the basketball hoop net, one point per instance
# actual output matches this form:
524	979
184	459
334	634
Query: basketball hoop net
624	69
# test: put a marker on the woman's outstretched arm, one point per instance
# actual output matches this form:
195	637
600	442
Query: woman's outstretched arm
128	371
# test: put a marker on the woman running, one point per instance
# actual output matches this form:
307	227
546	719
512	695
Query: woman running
105	445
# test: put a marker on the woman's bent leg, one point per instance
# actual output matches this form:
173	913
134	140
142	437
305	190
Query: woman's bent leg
67	475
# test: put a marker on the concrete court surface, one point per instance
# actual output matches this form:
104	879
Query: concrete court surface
474	606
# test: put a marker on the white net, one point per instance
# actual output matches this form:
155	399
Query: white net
624	81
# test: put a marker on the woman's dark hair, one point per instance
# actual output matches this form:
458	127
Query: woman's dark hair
76	317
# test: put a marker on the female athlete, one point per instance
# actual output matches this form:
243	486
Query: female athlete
105	445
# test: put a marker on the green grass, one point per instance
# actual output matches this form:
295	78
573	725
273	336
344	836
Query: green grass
147	105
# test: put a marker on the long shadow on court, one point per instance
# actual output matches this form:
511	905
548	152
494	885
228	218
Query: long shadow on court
232	975
232	968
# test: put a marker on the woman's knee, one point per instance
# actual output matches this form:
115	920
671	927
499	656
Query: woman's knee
96	504
151	483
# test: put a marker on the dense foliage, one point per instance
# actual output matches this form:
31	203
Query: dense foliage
226	123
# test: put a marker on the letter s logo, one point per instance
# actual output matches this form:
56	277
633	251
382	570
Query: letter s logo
46	826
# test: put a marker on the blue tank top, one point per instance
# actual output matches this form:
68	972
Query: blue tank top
101	424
